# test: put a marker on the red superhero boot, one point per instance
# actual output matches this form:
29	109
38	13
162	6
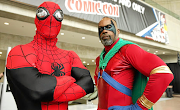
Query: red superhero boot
42	76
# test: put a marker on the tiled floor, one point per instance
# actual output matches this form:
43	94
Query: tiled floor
83	107
168	103
163	104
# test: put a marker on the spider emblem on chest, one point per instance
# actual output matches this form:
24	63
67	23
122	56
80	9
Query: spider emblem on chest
57	69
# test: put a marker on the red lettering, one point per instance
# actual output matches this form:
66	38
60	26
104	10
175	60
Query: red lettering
87	7
78	6
110	9
69	4
104	8
92	6
97	6
116	10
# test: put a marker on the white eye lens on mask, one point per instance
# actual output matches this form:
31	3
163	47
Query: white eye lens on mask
58	14
42	13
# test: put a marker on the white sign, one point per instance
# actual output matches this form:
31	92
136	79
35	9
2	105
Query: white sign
92	7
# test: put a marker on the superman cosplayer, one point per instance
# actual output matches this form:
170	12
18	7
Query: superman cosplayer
42	76
116	68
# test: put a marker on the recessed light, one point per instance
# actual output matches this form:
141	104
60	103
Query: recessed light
163	52
84	61
156	51
6	23
147	49
99	41
83	37
62	33
87	63
0	52
92	60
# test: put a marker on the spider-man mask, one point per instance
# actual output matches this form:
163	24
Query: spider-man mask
48	19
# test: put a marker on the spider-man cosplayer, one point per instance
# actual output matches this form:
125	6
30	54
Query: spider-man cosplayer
42	76
116	68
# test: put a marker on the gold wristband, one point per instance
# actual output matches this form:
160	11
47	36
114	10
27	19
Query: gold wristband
161	69
145	102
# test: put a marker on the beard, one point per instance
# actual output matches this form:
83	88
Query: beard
106	42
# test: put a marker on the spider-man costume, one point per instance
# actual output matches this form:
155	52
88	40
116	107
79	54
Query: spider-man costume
122	68
42	76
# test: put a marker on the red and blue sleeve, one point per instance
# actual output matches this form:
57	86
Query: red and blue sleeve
153	67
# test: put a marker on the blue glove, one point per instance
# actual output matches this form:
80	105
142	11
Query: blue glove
135	107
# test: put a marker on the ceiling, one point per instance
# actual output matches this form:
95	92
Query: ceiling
20	28
28	30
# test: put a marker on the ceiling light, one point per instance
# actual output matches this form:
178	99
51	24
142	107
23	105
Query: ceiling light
83	37
87	63
147	49
163	52
62	33
99	41
156	51
92	60
6	23
84	61
0	52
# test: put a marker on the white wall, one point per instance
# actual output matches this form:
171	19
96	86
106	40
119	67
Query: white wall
2	67
169	58
91	68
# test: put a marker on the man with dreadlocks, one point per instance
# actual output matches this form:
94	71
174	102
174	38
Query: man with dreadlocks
41	75
116	70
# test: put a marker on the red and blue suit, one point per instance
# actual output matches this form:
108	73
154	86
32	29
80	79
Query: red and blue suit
122	68
41	75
